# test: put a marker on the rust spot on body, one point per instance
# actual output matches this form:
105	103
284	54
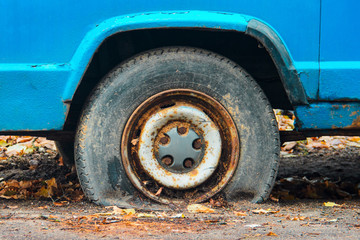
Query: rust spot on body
354	124
354	113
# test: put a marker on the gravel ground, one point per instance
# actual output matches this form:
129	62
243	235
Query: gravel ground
310	180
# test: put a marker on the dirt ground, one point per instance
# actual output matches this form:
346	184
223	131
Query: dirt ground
307	180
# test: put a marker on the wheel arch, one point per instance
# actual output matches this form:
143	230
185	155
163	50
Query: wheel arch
282	59
124	28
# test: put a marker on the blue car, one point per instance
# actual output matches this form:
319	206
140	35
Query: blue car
172	101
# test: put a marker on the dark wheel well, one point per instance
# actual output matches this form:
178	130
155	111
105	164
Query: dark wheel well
241	48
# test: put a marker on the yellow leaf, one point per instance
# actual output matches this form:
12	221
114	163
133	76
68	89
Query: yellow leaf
43	192
199	208
120	211
129	211
330	204
3	143
262	211
146	215
354	139
51	183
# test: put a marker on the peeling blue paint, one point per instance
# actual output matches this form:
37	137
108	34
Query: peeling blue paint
328	116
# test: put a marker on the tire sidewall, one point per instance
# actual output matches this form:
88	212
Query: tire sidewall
124	89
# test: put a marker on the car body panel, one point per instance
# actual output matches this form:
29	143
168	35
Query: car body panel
340	51
47	46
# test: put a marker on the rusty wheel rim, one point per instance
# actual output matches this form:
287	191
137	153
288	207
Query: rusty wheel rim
172	104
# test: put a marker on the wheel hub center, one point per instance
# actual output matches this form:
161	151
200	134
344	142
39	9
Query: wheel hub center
172	153
180	150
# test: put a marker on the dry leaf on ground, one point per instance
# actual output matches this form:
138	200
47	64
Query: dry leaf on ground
120	211
199	208
262	211
331	204
146	215
271	234
240	213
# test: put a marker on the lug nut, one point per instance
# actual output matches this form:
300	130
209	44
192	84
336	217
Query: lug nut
182	130
197	144
188	163
167	160
164	140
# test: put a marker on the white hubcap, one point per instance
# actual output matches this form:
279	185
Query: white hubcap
206	166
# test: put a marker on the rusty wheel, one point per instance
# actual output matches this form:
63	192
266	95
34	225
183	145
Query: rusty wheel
183	142
176	125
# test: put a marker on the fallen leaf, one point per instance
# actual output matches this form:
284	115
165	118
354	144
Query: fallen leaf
331	204
180	215
353	144
271	234
297	218
62	203
13	183
120	211
217	203
53	218
43	192
199	208
289	145
262	211
274	198
354	139
12	207
44	142
9	197
253	225
24	139
15	150
48	190
240	213
146	215
61	161
159	191
134	141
